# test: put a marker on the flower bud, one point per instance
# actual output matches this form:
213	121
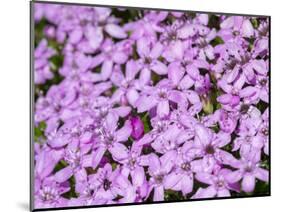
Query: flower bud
138	128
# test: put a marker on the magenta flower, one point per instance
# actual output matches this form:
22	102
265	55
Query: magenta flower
248	169
158	169
46	160
48	193
208	146
108	57
42	65
264	131
137	128
248	139
182	178
54	105
159	97
218	185
227	121
149	53
128	86
77	160
110	139
104	183
173	137
73	130
133	191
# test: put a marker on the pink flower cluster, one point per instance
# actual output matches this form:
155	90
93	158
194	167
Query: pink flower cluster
148	105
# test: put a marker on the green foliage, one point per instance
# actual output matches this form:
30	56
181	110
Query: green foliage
215	128
214	21
56	61
39	31
60	165
265	162
208	107
127	15
39	131
171	195
43	88
146	122
216	41
210	103
262	188
71	193
262	106
155	78
254	22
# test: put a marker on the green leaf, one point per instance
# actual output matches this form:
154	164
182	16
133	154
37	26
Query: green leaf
261	188
170	195
208	107
60	165
39	131
39	33
255	23
146	122
214	21
71	194
216	41
56	61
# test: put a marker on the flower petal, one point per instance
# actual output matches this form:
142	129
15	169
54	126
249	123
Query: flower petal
156	50
75	36
95	36
202	134
163	108
259	66
106	69
122	111
186	82
205	193
63	174
138	176
153	163
158	193
167	160
227	23
262	174
132	96
224	99
248	183
145	103
124	133
234	176
143	47
119	152
248	92
175	73
247	28
97	156
204	178
145	76
159	67
172	180
187	31
115	31
223	193
187	184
